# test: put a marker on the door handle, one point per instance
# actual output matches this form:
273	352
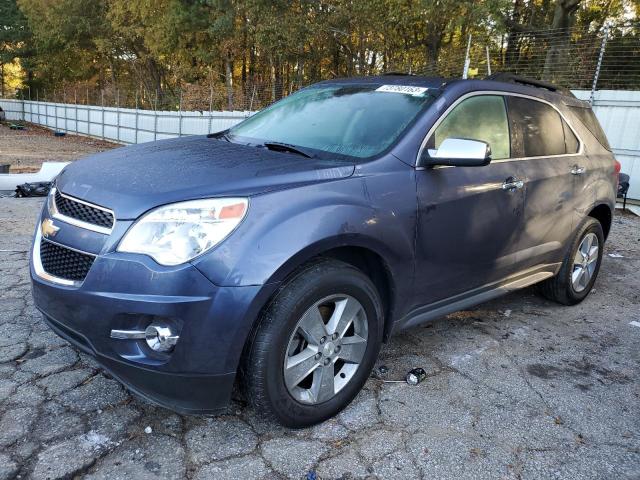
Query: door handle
577	170
511	184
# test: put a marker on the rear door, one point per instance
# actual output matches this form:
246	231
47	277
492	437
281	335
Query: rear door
469	218
547	149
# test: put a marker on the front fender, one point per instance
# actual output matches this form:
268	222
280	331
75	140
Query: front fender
284	229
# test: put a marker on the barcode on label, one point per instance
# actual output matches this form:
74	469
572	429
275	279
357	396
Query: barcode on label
406	89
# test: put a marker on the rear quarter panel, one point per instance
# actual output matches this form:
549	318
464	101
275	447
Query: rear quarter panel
598	185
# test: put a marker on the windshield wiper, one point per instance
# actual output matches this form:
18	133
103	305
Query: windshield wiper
220	136
285	147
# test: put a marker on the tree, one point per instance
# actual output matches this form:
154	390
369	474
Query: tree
247	53
14	37
563	17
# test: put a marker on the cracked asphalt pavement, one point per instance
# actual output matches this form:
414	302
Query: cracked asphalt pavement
516	388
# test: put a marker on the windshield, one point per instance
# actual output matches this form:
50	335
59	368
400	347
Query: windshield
354	120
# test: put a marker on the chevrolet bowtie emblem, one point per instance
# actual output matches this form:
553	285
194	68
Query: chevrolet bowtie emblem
48	228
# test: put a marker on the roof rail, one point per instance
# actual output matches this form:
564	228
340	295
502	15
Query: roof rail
398	73
512	78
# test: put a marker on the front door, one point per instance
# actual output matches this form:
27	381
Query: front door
469	218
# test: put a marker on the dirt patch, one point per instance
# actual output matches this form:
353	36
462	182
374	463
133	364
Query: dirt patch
25	150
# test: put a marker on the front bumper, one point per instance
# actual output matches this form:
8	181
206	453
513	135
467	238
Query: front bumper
125	291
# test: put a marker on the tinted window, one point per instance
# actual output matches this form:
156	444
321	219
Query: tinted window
537	126
586	116
570	139
482	117
354	120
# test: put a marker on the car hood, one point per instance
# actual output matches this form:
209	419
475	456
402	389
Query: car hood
134	179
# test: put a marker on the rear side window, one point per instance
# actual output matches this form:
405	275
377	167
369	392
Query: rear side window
537	128
588	118
481	117
570	139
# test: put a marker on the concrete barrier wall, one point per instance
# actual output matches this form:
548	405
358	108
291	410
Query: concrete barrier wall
122	125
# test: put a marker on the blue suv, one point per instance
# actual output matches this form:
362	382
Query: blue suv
281	253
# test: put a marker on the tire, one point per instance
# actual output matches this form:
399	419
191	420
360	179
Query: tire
562	288
282	332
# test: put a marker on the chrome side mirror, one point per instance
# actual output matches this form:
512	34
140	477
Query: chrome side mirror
461	152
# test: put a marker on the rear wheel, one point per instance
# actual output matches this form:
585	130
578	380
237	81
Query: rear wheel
580	267
315	345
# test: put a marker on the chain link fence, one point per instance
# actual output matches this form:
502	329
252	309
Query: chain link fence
577	58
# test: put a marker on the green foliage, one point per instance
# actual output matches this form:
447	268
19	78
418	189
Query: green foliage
235	51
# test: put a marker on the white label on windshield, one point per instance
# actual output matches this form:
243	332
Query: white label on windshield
406	89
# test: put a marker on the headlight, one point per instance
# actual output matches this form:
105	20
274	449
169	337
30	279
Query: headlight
176	233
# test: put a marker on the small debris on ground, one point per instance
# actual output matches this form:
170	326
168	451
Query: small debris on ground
616	255
148	430
634	323
416	375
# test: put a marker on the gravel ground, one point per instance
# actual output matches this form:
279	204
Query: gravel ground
27	149
517	388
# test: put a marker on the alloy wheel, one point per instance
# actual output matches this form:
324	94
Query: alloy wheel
326	348
585	262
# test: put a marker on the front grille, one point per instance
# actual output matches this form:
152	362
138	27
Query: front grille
85	213
63	262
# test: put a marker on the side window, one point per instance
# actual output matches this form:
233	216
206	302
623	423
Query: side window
570	139
482	117
590	121
538	127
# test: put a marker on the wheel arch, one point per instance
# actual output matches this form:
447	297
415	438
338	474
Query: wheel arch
604	215
360	252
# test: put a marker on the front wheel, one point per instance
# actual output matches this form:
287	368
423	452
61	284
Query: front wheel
315	345
580	267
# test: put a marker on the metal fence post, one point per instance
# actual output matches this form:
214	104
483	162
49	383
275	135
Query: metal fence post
155	119
467	60
488	61
136	130
102	101
75	106
253	93
46	109
180	115
605	37
118	114
210	108
64	103
55	109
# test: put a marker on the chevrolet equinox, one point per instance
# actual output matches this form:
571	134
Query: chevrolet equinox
279	254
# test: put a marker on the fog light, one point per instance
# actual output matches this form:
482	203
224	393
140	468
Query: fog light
160	339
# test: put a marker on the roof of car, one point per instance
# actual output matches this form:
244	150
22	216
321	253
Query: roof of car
391	79
502	82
